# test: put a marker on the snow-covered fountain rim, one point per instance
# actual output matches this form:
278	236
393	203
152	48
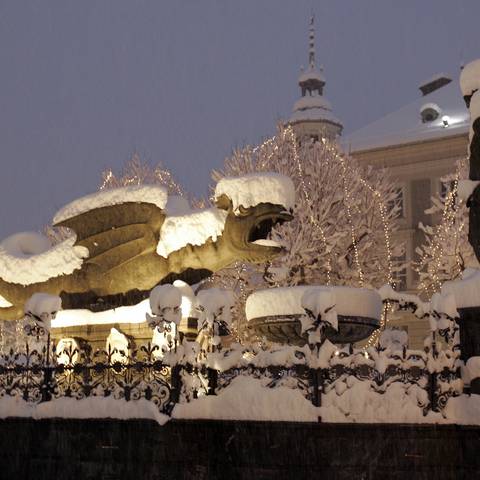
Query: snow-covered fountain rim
349	301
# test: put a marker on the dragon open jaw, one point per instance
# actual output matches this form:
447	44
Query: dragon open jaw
262	228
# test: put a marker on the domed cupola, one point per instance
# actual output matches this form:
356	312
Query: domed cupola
312	113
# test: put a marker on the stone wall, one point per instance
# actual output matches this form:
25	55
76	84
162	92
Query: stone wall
138	449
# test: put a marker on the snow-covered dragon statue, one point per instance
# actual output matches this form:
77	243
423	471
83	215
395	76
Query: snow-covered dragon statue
128	240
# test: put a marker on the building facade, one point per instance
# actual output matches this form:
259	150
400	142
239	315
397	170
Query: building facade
420	143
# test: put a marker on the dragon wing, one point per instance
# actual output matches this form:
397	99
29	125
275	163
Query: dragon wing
118	233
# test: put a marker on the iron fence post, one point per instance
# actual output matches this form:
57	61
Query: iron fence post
176	384
212	381
317	378
47	375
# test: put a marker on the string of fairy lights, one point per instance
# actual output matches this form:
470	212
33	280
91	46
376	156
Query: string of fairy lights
440	239
262	155
347	202
137	172
313	220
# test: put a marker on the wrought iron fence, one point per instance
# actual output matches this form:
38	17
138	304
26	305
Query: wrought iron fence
43	374
406	367
36	375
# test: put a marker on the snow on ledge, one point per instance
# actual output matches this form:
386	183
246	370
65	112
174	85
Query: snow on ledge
137	193
60	259
250	190
129	314
194	228
86	408
288	301
247	399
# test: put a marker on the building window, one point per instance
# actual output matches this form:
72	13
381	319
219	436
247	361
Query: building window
398	202
399	273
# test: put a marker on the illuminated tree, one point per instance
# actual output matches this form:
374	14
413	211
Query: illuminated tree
137	172
344	217
446	251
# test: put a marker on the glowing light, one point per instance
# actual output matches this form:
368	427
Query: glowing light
129	314
67	351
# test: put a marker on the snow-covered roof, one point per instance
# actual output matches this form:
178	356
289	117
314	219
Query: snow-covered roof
405	125
314	114
312	101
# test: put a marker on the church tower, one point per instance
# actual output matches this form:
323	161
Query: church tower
312	115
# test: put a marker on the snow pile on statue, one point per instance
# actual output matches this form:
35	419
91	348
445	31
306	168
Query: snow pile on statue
125	243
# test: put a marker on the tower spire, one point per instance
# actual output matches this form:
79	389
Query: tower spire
312	113
311	43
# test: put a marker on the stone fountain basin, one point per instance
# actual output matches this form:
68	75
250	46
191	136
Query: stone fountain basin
274	313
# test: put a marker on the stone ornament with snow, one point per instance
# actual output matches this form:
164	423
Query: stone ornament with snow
67	351
40	310
127	240
319	306
215	307
165	304
393	339
117	347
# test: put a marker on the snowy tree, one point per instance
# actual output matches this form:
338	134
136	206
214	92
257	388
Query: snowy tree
446	251
138	172
344	217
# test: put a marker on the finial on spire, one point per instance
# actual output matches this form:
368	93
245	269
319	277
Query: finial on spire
311	43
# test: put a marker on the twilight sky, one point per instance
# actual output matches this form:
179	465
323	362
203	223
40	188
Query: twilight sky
84	84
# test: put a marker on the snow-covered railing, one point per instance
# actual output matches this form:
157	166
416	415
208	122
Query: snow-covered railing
37	376
328	378
429	381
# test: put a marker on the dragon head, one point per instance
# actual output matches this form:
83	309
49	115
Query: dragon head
247	230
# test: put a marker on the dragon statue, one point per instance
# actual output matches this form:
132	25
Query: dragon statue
125	242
